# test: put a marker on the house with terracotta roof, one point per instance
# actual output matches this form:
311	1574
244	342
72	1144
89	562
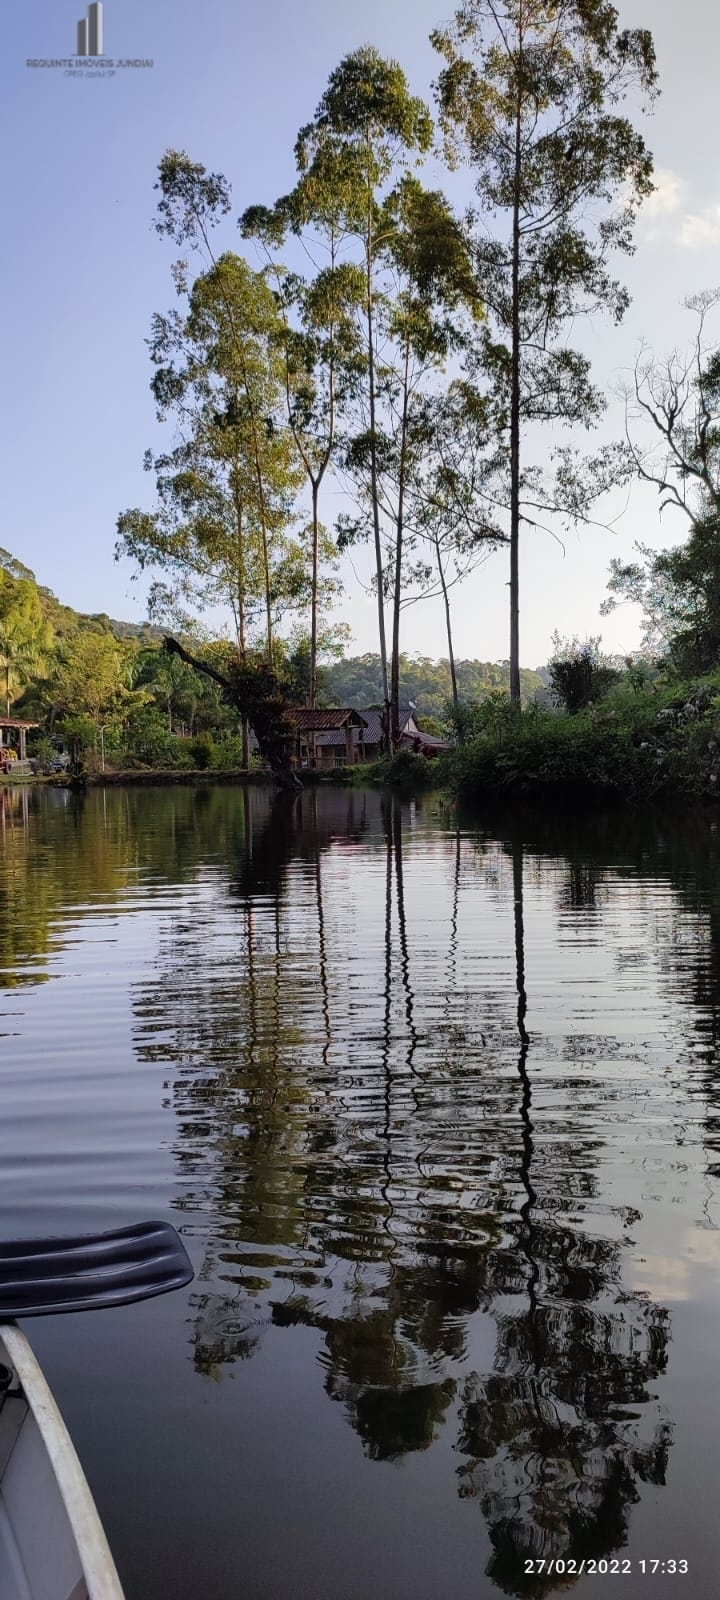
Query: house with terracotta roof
411	734
338	736
343	737
327	737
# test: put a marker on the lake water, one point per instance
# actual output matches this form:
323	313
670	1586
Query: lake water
434	1102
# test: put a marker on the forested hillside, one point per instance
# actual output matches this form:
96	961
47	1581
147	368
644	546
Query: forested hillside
357	681
111	684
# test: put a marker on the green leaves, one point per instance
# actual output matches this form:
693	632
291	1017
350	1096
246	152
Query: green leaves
367	127
579	674
548	73
25	636
192	199
225	493
92	677
527	96
367	97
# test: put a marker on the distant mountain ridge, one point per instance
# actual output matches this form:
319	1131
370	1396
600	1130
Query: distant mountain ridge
65	619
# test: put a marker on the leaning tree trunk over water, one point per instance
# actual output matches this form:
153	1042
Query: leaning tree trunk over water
254	692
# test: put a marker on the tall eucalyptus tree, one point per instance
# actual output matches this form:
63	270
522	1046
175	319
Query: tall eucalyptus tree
320	344
366	130
528	95
226	489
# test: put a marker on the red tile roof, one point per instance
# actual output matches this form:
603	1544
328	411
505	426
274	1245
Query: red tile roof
322	718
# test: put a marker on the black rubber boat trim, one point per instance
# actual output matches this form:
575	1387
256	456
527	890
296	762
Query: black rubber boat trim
89	1272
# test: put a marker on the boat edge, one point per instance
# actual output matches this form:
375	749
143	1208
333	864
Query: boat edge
99	1570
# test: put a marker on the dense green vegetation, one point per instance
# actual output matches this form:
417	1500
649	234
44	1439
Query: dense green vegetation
77	675
109	684
637	742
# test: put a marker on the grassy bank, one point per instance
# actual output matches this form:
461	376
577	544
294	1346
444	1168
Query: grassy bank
652	743
655	744
156	777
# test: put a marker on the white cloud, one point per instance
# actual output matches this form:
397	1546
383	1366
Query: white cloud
667	196
700	228
692	1268
661	1277
695	230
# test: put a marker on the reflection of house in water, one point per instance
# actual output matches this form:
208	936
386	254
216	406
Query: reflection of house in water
14	808
283	829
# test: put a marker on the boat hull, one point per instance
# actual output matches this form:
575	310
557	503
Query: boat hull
52	1544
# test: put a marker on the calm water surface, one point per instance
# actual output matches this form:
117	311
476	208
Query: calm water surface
434	1101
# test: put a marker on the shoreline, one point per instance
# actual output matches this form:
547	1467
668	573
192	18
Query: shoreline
158	777
415	777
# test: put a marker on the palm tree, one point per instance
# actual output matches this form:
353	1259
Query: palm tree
169	679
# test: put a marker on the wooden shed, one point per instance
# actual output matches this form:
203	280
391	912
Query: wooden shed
327	737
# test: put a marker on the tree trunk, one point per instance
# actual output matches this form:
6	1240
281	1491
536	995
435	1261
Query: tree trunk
242	637
399	530
263	518
268	601
387	736
515	428
240	572
315	472
265	549
255	694
451	653
314	594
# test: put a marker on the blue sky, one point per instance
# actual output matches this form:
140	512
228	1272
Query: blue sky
83	270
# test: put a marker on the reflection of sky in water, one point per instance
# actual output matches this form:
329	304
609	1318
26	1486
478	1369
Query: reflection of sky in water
465	1241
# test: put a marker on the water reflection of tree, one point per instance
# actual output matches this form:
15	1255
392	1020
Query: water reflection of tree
64	855
555	1442
681	930
362	1171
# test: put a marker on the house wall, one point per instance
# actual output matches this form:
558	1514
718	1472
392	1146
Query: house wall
331	756
328	757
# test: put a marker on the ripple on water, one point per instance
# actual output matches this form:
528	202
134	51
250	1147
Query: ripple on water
437	1113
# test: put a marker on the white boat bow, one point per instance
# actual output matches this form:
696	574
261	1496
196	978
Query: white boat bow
52	1543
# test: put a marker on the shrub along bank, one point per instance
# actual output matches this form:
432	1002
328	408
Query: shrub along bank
633	745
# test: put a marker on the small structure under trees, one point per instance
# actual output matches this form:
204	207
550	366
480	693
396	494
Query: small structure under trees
15	725
327	737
